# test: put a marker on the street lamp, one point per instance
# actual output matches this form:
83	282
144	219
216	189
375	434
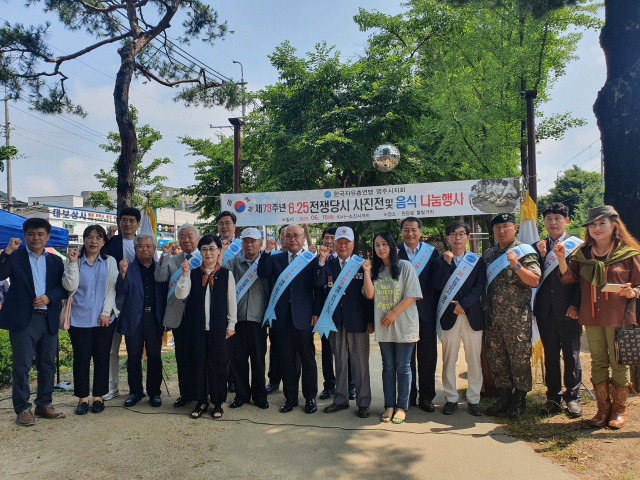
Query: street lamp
241	83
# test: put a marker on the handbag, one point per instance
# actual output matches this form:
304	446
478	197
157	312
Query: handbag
627	342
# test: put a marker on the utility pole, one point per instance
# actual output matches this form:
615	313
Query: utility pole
242	83
530	96
237	123
601	166
7	136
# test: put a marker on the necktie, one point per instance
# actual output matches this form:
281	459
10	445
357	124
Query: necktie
342	264
293	257
188	257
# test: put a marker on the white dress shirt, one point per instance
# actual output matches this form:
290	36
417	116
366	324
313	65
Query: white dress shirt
412	253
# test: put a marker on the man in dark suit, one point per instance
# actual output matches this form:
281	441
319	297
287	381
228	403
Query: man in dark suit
462	320
31	313
353	317
120	246
556	311
296	314
423	378
140	320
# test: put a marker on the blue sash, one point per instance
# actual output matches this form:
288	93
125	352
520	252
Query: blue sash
194	262
283	281
249	277
325	322
453	285
422	257
551	262
232	250
501	262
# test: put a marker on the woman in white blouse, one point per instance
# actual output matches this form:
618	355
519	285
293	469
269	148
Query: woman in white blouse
210	318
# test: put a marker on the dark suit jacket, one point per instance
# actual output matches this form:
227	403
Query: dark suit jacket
430	286
305	298
553	295
132	289
468	296
353	310
115	249
16	310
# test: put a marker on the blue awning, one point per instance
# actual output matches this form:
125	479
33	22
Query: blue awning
11	227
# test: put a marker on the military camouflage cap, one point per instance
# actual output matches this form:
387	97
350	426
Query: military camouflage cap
503	218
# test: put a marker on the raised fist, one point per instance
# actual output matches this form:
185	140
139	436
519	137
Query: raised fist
366	266
112	231
313	249
124	265
72	256
512	257
542	248
14	244
324	253
271	245
185	268
166	248
448	256
560	250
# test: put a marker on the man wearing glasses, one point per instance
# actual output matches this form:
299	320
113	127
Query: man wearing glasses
461	317
226	224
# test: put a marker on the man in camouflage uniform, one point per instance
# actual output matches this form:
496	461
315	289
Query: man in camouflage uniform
509	318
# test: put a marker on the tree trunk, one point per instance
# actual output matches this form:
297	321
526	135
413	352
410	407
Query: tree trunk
129	151
617	110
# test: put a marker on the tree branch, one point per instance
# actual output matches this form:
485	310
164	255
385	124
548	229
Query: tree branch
112	8
79	53
151	76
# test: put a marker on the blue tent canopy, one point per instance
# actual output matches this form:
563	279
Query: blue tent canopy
11	227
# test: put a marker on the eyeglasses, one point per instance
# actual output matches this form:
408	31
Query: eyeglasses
209	249
225	224
458	235
296	236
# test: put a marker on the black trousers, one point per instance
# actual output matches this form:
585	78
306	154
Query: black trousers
182	342
148	336
275	365
298	342
561	335
88	343
207	376
249	344
34	341
327	366
426	356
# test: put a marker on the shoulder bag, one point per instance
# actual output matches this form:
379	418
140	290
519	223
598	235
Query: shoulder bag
627	342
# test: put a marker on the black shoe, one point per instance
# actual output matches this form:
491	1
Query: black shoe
155	401
502	404
272	387
518	405
236	403
263	405
363	412
352	394
449	408
333	408
133	399
82	408
474	409
288	406
179	403
327	393
551	407
574	409
97	406
310	406
232	387
427	406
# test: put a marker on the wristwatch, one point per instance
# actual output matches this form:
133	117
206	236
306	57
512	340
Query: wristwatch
517	267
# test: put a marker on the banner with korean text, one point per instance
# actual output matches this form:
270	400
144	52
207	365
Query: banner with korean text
442	199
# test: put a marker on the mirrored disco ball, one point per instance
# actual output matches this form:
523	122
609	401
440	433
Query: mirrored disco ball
386	157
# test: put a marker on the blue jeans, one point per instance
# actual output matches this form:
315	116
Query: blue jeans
396	360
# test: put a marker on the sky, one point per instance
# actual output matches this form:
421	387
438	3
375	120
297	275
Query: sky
61	155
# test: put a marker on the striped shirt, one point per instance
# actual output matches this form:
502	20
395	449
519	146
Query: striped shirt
88	301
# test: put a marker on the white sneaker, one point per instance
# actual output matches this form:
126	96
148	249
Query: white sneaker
112	394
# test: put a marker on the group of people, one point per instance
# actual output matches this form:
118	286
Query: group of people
222	297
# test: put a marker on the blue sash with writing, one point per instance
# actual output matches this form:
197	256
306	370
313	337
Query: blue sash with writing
283	281
249	277
551	262
501	262
422	257
194	262
453	285
232	250
325	322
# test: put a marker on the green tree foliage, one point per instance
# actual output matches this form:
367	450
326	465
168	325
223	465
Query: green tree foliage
148	186
570	189
592	196
7	153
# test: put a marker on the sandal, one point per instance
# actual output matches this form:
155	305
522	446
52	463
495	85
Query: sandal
217	413
201	409
180	402
397	420
386	418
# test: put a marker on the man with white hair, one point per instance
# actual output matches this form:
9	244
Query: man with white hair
168	268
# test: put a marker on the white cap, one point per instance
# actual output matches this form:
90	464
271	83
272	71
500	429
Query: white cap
344	232
251	233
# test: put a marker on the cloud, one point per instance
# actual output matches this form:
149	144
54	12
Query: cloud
41	186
